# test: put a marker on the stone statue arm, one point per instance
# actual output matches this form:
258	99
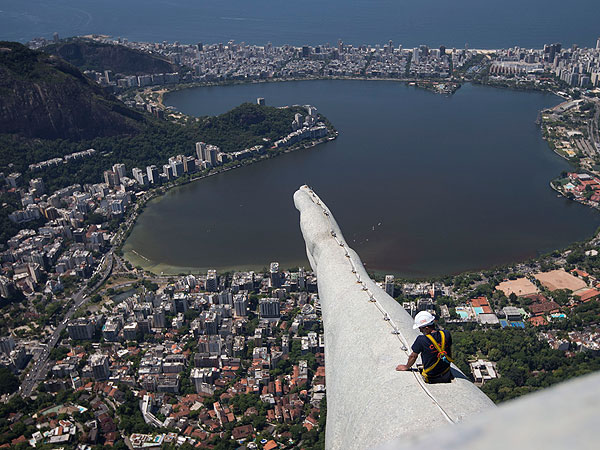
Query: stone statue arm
366	332
372	406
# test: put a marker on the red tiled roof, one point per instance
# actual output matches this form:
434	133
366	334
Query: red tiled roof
242	432
580	273
588	295
543	308
537	321
270	445
538	298
112	436
199	434
20	440
479	301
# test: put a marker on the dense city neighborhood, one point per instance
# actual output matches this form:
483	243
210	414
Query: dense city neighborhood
99	353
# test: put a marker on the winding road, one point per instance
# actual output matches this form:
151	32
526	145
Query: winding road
41	363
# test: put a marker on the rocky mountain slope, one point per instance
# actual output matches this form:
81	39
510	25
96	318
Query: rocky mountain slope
42	96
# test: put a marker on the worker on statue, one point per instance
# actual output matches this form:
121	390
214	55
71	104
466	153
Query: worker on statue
435	348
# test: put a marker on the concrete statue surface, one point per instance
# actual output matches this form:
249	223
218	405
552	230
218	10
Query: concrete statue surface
367	334
562	417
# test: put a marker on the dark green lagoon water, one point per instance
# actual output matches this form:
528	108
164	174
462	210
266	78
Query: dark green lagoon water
421	184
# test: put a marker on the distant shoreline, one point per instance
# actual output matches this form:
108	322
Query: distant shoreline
183	86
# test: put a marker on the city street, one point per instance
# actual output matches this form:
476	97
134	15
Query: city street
41	363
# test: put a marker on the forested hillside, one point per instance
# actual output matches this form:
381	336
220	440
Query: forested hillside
243	127
42	96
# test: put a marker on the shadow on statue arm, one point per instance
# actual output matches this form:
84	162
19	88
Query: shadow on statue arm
458	374
455	372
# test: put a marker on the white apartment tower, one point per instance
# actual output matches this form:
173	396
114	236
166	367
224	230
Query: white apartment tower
119	169
275	276
389	285
240	305
211	280
100	368
201	151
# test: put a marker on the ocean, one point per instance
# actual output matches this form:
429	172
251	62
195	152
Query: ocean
479	24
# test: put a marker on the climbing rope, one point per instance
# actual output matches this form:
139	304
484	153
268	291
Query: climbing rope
373	299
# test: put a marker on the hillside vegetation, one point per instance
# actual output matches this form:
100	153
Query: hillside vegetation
48	109
42	96
243	127
525	362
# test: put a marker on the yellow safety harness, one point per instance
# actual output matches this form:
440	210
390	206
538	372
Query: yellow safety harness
442	355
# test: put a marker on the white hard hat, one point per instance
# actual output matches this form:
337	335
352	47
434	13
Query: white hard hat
423	319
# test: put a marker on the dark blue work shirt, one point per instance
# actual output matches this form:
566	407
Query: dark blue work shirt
429	354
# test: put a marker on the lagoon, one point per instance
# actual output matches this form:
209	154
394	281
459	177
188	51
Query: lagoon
421	184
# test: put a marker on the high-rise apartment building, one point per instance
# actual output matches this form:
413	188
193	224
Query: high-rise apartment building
140	176
211	280
275	276
159	319
189	164
111	178
81	329
389	285
153	174
119	169
240	305
38	185
212	153
415	56
100	367
168	172
7	344
201	151
176	163
268	308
